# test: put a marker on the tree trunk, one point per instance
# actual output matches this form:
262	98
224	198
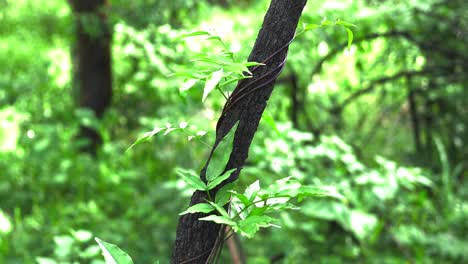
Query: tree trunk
196	240
92	62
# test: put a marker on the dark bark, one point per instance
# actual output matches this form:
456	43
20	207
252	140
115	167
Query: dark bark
196	240
92	62
413	111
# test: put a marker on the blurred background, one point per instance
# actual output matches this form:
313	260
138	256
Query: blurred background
384	121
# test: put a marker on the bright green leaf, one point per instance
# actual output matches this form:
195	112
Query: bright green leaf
311	26
241	197
192	179
252	190
271	122
220	209
344	23
113	254
223	195
221	155
188	84
146	136
211	83
350	37
216	181
195	34
219	220
199	208
252	224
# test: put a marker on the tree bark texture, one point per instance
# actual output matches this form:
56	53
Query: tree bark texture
195	240
92	61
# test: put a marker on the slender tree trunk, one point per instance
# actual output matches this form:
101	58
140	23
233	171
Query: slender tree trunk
197	240
92	62
235	249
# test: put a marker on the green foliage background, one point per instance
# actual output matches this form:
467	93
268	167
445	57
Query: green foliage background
402	204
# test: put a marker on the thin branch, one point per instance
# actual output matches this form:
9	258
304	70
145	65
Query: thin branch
373	84
339	48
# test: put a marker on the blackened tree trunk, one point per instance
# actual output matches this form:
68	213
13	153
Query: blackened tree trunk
92	62
196	240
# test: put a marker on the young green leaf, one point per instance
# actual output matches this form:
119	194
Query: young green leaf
220	209
219	220
241	197
146	136
326	22
199	208
252	190
188	84
192	179
271	122
211	83
252	224
344	23
350	37
321	191
190	74
195	33
113	254
310	26
221	155
223	195
216	181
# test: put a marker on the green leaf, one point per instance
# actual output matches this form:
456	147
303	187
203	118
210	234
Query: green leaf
252	224
220	59
146	136
350	37
321	191
326	22
113	254
221	155
190	74
199	208
271	122
192	179
220	209
223	195
252	63
211	83
229	81
311	26
252	190
188	84
216	181
219	220
242	198
344	23
195	34
217	38
282	206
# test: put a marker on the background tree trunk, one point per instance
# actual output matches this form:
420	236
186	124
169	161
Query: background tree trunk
92	62
195	239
